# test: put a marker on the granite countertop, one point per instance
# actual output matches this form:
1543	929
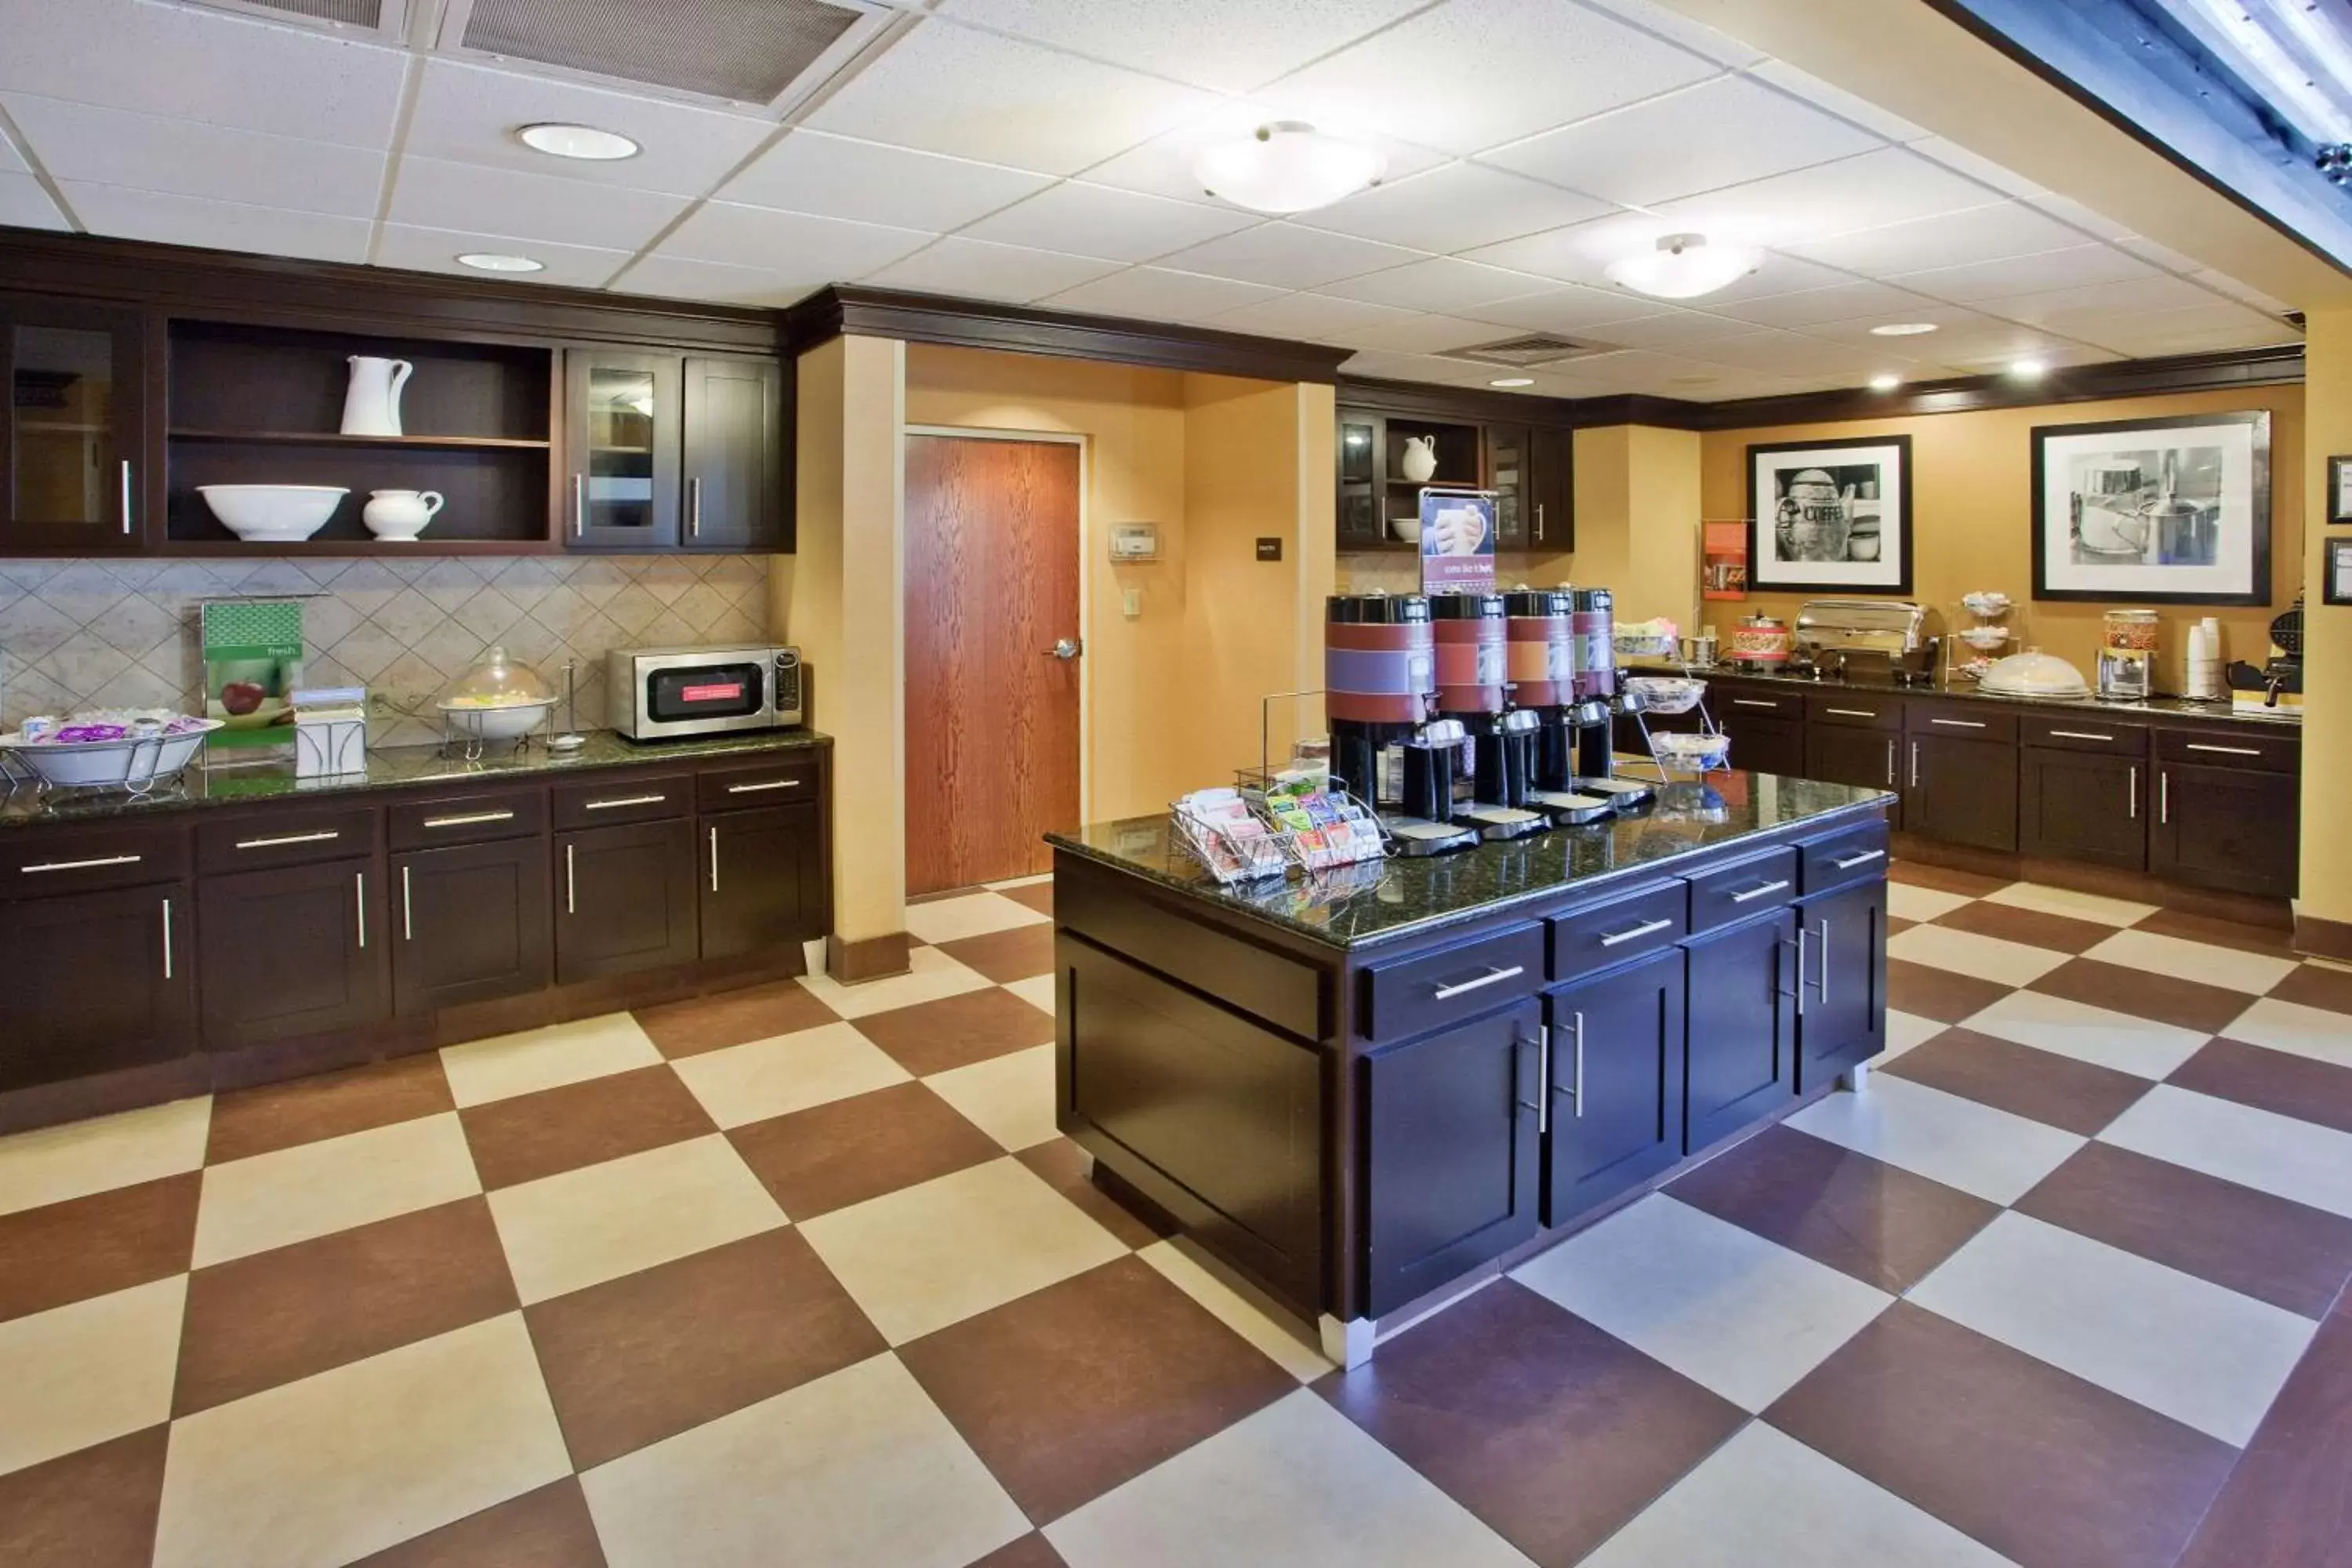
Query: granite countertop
394	768
1354	906
1947	685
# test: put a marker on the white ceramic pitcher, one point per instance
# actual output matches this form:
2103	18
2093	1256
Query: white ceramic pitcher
371	406
400	514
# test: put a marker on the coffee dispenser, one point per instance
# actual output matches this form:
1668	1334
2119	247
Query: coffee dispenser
1544	656
1472	672
1380	677
2127	655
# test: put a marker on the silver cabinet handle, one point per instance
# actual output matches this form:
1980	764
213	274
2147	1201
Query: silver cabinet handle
1915	764
1852	712
570	885
284	838
90	863
1865	858
407	910
1756	892
1824	986
1576	1069
1539	523
167	937
1754	702
469	819
126	495
2223	751
1542	1106
714	860
1492	976
1890	765
579	505
359	903
2132	799
768	785
624	800
2079	735
1645	929
1801	934
1957	723
2164	796
694	507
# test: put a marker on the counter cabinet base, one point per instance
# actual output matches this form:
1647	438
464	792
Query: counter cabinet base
2107	881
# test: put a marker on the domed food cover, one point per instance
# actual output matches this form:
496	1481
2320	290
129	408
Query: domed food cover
2033	674
496	681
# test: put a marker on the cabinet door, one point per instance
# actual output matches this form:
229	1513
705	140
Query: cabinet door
1742	1016
762	879
296	950
1841	1018
1452	1152
627	900
621	449
1846	754
1616	1088
92	982
1506	476
1551	489
1961	791
2080	805
1765	745
735	455
1360	444
72	435
2226	827
474	924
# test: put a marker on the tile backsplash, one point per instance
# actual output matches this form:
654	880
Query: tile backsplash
77	634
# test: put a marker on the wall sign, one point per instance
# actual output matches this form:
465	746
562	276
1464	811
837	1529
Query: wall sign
2173	511
1831	516
1457	540
2339	490
1722	571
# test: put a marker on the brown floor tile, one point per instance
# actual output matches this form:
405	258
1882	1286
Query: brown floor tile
1038	896
2275	941
2078	1095
1071	1390
1938	994
1944	878
940	895
88	1246
2268	1248
549	1527
733	1018
2045	1469
1896	925
2318	986
1005	957
2167	998
1064	1167
648	1356
1548	1429
258	1322
247	1122
1862	1216
2289	1504
1032	1551
956	1031
2272	1081
94	1508
2031	927
833	1155
534	1135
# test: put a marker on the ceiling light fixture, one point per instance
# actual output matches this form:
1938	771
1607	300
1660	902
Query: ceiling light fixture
491	261
1683	267
1886	381
1513	380
1287	166
584	141
1902	328
2027	369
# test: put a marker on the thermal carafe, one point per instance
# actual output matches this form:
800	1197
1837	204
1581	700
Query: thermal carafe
2127	655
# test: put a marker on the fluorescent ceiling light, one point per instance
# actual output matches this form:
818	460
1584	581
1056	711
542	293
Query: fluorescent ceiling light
1287	166
562	140
2027	369
491	261
1886	381
1683	267
1902	328
1513	380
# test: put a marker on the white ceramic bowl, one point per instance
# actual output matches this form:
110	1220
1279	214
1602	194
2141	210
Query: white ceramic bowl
131	763
509	722
1406	528
1692	754
1985	638
1986	604
1665	693
273	514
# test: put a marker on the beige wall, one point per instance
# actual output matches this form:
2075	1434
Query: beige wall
1972	528
1637	520
2327	634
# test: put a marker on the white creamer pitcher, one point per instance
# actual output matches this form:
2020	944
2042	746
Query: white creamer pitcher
371	406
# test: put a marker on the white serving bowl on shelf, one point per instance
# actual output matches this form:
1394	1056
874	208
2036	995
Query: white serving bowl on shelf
1665	693
1987	604
1984	639
1406	528
506	721
273	514
1689	752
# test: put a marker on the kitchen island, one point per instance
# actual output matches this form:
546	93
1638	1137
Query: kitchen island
1366	1091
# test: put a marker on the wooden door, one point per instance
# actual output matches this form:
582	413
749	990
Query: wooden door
1742	1014
72	428
735	454
92	982
2081	806
621	449
1506	476
1849	754
1551	489
296	950
624	899
1843	1019
1962	791
991	573
473	924
763	878
2233	828
1616	1086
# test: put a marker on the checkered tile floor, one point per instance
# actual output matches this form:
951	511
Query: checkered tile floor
804	1275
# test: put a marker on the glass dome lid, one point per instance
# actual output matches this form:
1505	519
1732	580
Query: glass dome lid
2033	674
496	681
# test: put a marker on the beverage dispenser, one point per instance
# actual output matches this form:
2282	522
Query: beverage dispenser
1472	673
1380	678
2127	655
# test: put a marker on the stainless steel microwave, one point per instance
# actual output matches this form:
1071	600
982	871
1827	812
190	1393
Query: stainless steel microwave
668	693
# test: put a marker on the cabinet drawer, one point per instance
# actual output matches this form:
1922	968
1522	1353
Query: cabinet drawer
1967	721
2089	732
623	800
1431	990
2218	749
1749	888
1832	861
38	864
1751	699
466	819
1600	935
772	782
1851	710
291	838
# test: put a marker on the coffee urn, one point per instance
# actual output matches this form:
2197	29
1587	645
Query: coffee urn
1380	677
1544	649
1472	674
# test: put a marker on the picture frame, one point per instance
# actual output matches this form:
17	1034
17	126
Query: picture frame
1831	516
2167	510
2339	492
2336	580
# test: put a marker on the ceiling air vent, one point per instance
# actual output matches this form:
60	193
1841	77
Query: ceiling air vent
383	17
746	50
1528	351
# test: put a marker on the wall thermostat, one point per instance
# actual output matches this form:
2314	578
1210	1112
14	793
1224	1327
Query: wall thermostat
1134	542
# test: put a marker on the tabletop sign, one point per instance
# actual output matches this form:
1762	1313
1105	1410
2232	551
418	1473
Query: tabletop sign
1457	542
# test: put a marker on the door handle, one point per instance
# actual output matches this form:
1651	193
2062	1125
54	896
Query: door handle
767	785
1865	858
1067	649
1540	520
1645	929
1447	993
469	819
1801	934
1824	988
694	507
579	505
2164	797
80	865
2132	799
616	803
167	938
2079	735
1852	712
1754	702
2224	750
358	904
284	838
1915	764
1890	765
126	503
714	860
1957	723
1541	1103
407	910
1576	1064
570	885
1751	894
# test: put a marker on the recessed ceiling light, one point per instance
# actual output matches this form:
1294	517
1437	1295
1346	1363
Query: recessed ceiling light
491	261
1287	166
1513	380
1902	328
2026	369
1886	381
586	141
1683	267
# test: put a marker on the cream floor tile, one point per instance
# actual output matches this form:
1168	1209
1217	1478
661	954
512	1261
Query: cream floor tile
747	1083
1943	1137
79	1374
55	1163
1966	953
1766	1499
1284	1344
1907	1030
1909	902
565	1232
931	975
352	1461
1296	1484
934	1254
2065	901
313	1189
974	915
1718	1303
1009	1097
1009	883
2201	1354
856	1469
2276	1154
506	1065
1037	991
2137	1046
2316	1032
2252	973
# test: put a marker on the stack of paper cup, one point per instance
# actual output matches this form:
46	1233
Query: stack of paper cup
2205	660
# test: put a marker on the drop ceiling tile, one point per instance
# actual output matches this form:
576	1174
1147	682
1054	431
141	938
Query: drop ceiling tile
1840	303
1160	294
1163	165
1307	316
210	66
1793	354
1647	154
2157	255
1774	274
1869	190
796	244
1454	207
2244	293
2061	310
1228	45
1424	334
2092	222
437	249
1674	26
1441	283
1570	309
470	113
945	89
1681	330
977	270
190	158
220	226
23	205
1995	345
1837	100
1948	320
1580	252
2123	325
1391	365
839	176
673	278
1954	156
2074	267
1949	240
1474	74
11	161
433	193
1285	256
2053	353
2209	340
1080	219
1665	375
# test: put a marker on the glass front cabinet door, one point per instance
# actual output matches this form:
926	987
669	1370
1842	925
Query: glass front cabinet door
72	443
621	449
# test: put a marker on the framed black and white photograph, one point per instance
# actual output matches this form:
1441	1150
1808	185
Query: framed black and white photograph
2336	588
1830	516
2172	510
2339	490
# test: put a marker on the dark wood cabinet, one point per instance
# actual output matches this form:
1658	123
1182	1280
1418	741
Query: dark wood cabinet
1962	790
2083	805
1481	442
735	456
301	950
1616	1085
93	981
621	448
474	923
1453	1151
763	878
1742	1027
2227	827
625	899
1506	476
1847	755
73	429
1841	1018
1764	742
1550	503
1361	523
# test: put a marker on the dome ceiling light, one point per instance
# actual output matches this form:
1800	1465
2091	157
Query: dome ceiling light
584	142
1287	166
492	261
1902	328
1683	267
